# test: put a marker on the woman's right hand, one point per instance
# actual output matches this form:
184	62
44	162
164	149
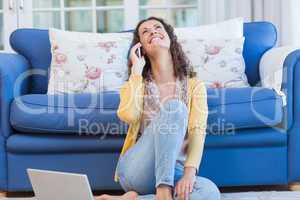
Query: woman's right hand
137	63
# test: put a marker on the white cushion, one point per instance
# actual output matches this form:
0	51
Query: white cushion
218	62
87	62
228	29
271	68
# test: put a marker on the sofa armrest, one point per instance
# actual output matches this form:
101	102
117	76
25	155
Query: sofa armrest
291	87
271	66
273	69
14	71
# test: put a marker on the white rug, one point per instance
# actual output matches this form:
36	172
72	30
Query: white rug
271	195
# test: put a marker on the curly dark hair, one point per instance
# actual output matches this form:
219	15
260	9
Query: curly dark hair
182	65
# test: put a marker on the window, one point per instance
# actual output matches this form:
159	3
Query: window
110	15
46	14
179	13
79	15
91	15
8	22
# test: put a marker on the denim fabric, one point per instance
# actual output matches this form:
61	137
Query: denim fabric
152	160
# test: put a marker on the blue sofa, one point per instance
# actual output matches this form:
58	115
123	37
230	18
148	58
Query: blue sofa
252	139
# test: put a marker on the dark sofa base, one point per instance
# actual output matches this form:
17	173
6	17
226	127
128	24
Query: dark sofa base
246	166
225	166
99	168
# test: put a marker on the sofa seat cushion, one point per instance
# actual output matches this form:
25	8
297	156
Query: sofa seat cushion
67	114
238	108
260	137
49	143
229	109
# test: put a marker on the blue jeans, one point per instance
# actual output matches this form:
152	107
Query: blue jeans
152	160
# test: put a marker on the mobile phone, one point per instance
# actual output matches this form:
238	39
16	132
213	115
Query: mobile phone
139	52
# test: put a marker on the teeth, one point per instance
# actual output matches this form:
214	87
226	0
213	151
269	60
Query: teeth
155	39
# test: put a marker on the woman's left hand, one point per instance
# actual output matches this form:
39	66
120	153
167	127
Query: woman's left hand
185	185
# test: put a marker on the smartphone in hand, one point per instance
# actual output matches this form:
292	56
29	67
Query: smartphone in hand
139	52
137	60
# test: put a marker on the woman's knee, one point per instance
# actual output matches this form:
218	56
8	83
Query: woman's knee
205	189
137	180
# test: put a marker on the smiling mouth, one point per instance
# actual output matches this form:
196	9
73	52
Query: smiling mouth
155	38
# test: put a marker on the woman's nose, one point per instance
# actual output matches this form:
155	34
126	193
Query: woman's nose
153	31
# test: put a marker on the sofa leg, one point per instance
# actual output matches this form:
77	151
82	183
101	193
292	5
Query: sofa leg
294	186
3	194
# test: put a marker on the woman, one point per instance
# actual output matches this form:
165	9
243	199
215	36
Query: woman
165	106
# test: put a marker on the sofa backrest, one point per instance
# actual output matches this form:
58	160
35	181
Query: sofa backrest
34	45
259	38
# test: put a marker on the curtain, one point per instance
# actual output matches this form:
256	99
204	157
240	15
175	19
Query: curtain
284	14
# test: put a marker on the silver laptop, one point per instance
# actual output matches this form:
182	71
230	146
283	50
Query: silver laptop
53	185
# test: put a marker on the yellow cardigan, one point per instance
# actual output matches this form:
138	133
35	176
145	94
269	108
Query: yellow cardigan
131	107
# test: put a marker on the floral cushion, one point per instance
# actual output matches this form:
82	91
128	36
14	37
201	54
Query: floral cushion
87	62
218	62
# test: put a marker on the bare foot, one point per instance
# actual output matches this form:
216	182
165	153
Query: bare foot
131	195
164	192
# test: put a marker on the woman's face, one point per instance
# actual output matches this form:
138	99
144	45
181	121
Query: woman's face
153	36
